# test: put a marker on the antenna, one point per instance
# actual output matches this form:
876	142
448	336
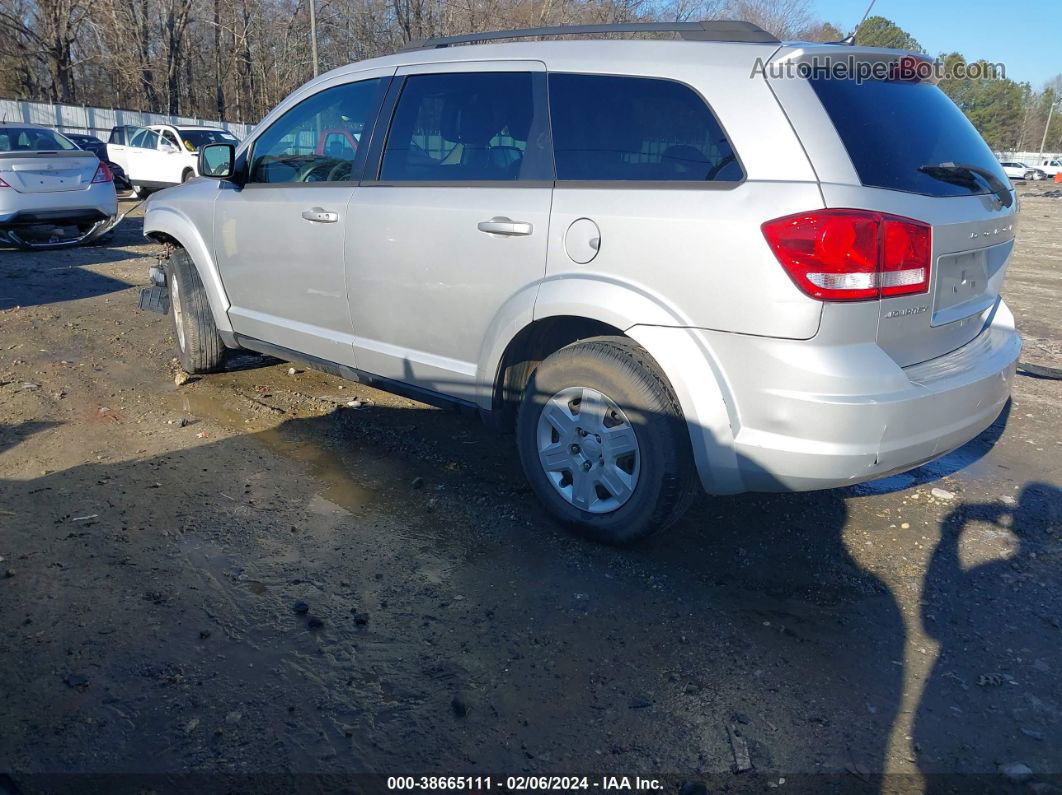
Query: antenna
850	38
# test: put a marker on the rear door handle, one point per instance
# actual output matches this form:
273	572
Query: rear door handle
320	216
500	225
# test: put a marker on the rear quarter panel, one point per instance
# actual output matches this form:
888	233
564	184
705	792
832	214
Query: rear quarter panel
697	247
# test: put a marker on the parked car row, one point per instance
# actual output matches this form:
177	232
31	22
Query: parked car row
1017	170
61	189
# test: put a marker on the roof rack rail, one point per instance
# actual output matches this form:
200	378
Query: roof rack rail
706	30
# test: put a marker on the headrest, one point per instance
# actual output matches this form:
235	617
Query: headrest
469	119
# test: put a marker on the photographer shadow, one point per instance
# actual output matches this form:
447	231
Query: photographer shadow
994	694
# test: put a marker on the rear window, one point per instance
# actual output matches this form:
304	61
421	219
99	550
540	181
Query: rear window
635	128
193	139
32	139
892	128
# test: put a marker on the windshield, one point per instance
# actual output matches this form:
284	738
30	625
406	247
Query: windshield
892	129
32	139
193	139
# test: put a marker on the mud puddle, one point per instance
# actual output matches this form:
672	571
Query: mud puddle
340	486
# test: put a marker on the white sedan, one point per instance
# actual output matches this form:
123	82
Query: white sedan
52	193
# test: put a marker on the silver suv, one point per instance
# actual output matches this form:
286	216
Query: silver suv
721	258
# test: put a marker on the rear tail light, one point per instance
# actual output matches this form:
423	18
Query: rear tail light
852	255
103	174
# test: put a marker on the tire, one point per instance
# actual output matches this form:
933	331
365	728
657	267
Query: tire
187	175
658	477
199	346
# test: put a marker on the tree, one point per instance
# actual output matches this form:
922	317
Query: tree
46	31
996	106
784	18
882	32
821	31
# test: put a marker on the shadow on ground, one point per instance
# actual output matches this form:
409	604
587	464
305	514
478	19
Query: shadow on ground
993	695
32	278
151	625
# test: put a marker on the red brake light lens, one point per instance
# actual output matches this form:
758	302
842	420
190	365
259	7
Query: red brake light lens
103	174
905	254
852	255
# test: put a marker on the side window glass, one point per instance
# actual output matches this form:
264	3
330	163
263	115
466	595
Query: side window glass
472	126
634	128
301	146
145	139
171	139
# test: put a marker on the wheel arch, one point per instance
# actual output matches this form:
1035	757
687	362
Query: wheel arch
167	225
572	308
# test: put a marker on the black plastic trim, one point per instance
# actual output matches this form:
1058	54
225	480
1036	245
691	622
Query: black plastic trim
400	388
705	30
59	217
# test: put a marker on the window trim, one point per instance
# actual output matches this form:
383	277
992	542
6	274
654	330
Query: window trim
162	137
378	144
360	157
147	131
636	184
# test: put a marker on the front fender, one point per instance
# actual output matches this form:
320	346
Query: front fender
172	222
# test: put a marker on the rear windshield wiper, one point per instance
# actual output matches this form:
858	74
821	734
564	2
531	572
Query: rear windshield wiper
964	174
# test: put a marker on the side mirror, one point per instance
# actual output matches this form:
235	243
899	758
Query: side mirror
217	161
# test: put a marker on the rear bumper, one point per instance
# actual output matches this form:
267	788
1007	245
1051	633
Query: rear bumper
56	217
816	417
88	205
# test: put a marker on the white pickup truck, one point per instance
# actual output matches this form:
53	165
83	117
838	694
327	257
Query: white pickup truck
161	155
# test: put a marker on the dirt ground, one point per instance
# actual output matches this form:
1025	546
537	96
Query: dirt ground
156	542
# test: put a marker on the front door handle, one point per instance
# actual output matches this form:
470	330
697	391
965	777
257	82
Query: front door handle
320	216
500	225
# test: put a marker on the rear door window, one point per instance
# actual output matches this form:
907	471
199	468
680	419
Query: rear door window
145	139
466	127
893	128
635	128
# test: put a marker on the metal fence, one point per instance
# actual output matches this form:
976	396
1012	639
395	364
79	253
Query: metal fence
1029	158
99	121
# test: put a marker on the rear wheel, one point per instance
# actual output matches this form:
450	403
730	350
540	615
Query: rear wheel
603	441
187	175
199	347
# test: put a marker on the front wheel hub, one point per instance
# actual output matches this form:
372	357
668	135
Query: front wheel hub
588	449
